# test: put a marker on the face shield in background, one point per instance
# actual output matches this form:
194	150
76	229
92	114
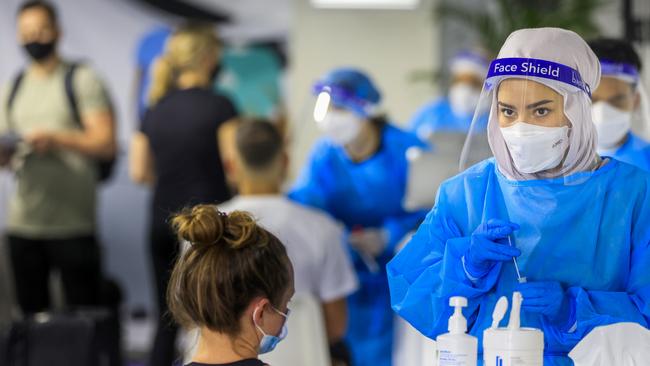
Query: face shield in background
613	122
339	114
539	124
468	70
341	102
428	168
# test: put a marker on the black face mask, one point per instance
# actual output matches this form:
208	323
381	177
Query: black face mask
39	51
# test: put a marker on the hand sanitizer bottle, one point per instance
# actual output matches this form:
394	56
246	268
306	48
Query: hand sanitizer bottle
456	347
514	345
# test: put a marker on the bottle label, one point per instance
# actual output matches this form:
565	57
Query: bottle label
492	359
447	358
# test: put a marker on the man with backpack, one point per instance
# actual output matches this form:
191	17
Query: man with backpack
57	133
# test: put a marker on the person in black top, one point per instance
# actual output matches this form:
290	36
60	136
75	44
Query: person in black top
179	152
233	283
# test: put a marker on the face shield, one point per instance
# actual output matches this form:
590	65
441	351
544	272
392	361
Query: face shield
468	70
620	104
539	124
339	114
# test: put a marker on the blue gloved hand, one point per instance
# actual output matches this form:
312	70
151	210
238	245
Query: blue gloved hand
548	299
489	245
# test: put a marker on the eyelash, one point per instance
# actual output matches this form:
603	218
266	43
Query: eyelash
505	112
540	112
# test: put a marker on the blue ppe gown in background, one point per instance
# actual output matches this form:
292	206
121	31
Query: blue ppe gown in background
589	231
438	116
634	151
367	194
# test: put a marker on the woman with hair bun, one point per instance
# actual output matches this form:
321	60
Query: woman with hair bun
234	284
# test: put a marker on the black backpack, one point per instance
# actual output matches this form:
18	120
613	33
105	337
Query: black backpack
105	167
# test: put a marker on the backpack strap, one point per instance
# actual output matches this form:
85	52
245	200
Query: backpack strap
12	97
70	94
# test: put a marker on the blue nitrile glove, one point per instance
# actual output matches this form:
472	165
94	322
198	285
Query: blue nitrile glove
548	299
489	245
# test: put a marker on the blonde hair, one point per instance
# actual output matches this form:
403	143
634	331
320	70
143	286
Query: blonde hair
231	261
185	50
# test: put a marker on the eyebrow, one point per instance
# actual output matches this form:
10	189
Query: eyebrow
530	106
537	104
506	105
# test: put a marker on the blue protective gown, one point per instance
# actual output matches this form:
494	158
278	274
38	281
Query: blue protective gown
369	195
437	116
593	236
634	151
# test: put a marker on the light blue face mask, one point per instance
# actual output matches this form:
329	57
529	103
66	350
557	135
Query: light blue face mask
269	342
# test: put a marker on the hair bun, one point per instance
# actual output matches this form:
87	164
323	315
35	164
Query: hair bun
205	225
242	231
200	225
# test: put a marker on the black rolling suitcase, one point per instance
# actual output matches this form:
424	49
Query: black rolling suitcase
84	337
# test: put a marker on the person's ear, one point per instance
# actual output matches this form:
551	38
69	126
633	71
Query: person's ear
637	100
58	33
259	309
232	168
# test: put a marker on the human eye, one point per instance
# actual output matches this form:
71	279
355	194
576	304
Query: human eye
542	112
507	112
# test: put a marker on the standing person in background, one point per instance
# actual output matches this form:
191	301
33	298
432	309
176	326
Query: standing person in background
357	174
617	101
57	124
313	240
179	152
454	112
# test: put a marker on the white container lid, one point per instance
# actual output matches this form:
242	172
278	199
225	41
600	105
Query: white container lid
516	339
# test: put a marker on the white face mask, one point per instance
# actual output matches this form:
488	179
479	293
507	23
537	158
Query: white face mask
463	99
612	124
535	148
341	126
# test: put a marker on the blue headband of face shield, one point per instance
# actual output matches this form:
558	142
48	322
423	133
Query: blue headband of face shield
341	97
620	70
536	68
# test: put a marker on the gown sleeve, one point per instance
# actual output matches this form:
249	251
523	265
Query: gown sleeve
309	189
429	270
593	308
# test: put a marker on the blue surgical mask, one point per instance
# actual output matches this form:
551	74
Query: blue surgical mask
269	342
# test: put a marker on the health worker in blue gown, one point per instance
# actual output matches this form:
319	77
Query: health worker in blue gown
357	173
453	113
618	101
578	224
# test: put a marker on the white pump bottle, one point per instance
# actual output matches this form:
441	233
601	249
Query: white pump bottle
456	347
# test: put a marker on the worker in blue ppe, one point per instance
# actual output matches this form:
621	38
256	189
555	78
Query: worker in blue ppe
577	224
620	100
357	173
454	112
